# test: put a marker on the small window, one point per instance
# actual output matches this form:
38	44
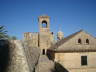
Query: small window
79	41
83	60
87	41
43	52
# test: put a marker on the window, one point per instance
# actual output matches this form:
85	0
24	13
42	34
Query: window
43	52
44	24
83	60
79	41
87	41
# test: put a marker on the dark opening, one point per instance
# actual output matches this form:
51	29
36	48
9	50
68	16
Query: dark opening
44	24
79	41
83	60
52	33
43	52
59	68
87	41
4	55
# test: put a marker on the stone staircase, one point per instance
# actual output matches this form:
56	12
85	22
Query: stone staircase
44	64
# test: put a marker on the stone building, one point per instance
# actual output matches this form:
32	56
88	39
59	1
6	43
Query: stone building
75	53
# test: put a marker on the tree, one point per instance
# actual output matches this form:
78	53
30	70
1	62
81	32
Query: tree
13	38
4	35
3	32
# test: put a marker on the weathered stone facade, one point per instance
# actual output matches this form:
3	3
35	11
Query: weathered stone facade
18	61
69	51
20	57
72	61
66	51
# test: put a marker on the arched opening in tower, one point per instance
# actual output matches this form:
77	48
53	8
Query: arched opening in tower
44	24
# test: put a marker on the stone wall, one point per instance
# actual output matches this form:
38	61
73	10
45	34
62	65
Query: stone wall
18	61
18	56
32	54
72	61
32	38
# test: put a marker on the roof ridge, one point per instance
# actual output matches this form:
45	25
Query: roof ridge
66	39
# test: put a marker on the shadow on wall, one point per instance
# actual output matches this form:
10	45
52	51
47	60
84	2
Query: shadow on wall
50	55
59	68
4	55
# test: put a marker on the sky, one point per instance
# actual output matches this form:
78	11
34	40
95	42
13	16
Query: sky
19	16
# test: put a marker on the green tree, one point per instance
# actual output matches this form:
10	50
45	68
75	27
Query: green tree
13	38
3	32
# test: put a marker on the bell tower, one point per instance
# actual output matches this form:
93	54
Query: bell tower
44	23
44	34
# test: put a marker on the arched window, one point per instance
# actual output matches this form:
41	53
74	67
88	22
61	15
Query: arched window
44	24
79	41
87	41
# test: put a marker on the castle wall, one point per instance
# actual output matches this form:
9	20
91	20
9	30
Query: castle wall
35	39
18	61
44	40
32	54
32	38
23	58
